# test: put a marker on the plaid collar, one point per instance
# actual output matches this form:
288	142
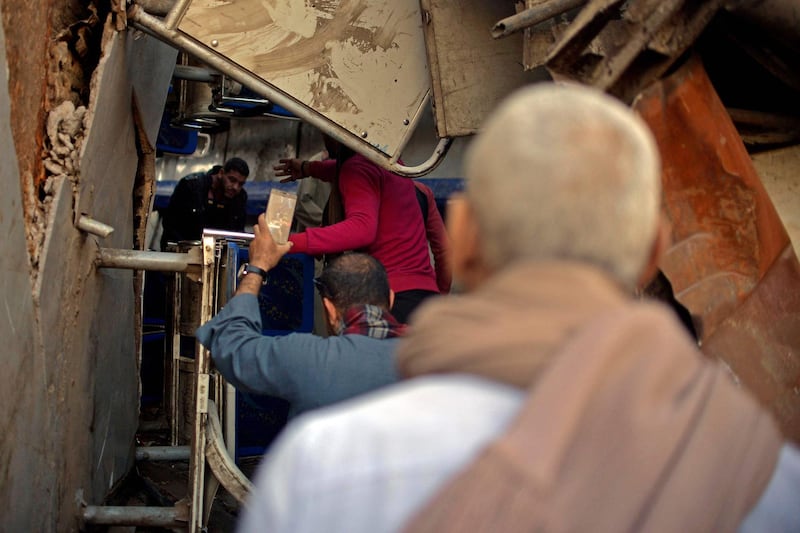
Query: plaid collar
372	321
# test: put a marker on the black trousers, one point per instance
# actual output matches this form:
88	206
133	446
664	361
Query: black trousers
406	301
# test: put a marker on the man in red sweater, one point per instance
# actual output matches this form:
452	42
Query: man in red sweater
380	216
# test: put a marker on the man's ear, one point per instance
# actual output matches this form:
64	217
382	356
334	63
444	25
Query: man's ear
391	298
469	268
660	244
330	311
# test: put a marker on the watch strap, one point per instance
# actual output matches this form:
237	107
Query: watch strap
250	269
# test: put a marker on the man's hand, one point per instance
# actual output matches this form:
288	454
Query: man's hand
264	253
289	167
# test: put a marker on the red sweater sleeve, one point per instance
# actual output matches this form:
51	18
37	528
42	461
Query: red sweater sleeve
437	238
323	170
359	185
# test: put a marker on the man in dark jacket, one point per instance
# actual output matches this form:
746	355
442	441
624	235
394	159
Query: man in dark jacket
214	199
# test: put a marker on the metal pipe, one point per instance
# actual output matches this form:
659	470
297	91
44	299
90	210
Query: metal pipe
228	234
163	453
163	31
166	517
531	17
192	73
143	260
95	227
176	13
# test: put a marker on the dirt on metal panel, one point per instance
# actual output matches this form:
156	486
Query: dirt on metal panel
471	71
360	64
731	255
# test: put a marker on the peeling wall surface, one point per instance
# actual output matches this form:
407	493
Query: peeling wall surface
27	479
70	385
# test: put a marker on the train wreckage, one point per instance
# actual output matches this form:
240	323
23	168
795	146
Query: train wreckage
92	90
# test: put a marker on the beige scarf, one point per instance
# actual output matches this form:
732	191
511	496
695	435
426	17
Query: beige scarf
627	426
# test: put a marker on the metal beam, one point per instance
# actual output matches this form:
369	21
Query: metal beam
163	453
166	517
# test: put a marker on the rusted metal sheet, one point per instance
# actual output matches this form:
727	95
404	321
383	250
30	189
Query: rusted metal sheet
361	65
470	71
759	341
731	263
622	46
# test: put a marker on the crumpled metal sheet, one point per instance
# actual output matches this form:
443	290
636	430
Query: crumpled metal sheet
622	46
731	264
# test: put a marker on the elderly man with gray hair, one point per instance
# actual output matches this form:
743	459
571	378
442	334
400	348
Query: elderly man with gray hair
545	398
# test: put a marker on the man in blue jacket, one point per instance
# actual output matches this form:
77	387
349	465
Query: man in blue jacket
307	370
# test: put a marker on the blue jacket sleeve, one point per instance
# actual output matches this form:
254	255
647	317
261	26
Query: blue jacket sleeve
307	370
249	360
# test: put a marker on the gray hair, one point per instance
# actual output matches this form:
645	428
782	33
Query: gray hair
562	171
354	279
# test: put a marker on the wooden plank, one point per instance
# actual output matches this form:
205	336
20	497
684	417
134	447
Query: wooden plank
471	72
359	65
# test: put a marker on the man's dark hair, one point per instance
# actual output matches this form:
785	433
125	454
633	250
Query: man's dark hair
237	165
354	279
214	170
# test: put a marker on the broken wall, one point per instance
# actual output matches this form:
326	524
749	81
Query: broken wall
70	385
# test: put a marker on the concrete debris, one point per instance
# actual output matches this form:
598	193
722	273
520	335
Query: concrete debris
66	140
49	187
53	167
64	136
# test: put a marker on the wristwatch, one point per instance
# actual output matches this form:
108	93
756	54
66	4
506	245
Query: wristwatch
247	268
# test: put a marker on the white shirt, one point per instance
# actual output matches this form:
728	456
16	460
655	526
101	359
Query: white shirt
370	464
